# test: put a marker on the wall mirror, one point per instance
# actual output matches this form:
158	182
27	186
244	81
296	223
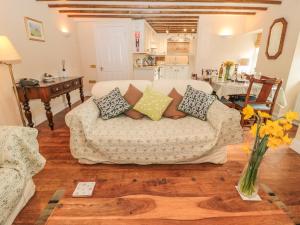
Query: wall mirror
276	38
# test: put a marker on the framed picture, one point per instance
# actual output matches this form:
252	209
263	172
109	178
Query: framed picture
35	29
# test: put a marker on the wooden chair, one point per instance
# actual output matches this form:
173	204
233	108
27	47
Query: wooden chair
261	102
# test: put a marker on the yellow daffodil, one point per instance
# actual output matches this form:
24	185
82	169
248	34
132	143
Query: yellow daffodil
274	128
264	115
287	126
263	131
248	112
290	116
286	139
253	129
274	142
246	149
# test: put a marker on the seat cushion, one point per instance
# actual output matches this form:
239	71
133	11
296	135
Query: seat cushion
172	111
122	138
196	103
153	104
112	104
132	96
10	191
258	107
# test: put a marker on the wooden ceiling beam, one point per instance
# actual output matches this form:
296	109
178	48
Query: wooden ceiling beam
158	20
172	24
174	28
143	12
175	32
268	2
132	16
92	6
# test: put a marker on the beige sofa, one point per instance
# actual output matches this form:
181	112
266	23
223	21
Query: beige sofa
19	161
123	140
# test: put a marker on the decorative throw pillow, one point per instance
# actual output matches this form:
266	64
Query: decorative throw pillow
132	96
112	104
153	104
196	103
171	111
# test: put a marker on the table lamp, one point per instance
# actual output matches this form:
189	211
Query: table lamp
9	56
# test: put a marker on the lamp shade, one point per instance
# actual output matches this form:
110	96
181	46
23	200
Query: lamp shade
8	53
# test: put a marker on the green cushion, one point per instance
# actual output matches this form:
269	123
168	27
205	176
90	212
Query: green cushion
153	104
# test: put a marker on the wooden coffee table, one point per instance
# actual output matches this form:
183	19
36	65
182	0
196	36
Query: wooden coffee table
179	200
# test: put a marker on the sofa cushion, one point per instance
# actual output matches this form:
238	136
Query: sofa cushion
172	111
104	87
10	191
122	137
196	103
153	104
132	96
165	86
112	104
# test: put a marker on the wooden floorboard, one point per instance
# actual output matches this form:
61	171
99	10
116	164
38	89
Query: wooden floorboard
280	171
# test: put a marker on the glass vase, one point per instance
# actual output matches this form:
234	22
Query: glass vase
227	73
248	183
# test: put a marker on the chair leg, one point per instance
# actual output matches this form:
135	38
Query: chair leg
242	121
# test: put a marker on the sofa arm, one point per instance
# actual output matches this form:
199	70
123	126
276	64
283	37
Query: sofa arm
20	150
227	123
85	115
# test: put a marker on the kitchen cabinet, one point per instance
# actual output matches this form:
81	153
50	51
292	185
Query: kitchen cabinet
145	73
178	48
175	72
147	36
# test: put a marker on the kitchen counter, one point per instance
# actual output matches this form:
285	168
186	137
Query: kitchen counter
145	67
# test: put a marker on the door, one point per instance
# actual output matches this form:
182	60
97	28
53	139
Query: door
112	47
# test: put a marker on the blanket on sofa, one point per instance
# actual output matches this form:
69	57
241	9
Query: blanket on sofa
123	140
19	161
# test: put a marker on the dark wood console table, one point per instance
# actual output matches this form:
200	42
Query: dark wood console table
47	91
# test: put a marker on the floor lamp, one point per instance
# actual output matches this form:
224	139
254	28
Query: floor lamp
9	56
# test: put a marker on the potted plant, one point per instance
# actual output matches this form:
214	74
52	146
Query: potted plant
269	134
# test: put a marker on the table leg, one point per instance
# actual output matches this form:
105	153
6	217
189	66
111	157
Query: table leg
81	94
28	114
69	99
49	114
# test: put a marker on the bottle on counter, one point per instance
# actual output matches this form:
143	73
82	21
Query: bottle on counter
221	70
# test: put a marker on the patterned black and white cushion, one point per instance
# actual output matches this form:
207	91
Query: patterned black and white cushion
196	103
112	104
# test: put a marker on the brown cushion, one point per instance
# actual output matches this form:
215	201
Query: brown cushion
171	111
132	96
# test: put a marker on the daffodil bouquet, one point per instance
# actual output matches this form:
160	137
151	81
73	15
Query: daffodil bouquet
269	134
228	64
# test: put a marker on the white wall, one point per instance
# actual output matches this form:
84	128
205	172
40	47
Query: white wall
289	9
212	49
293	82
37	57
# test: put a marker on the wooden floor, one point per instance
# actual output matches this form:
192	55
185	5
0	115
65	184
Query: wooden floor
280	171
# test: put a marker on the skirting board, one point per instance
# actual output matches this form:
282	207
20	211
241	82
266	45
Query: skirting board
295	145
